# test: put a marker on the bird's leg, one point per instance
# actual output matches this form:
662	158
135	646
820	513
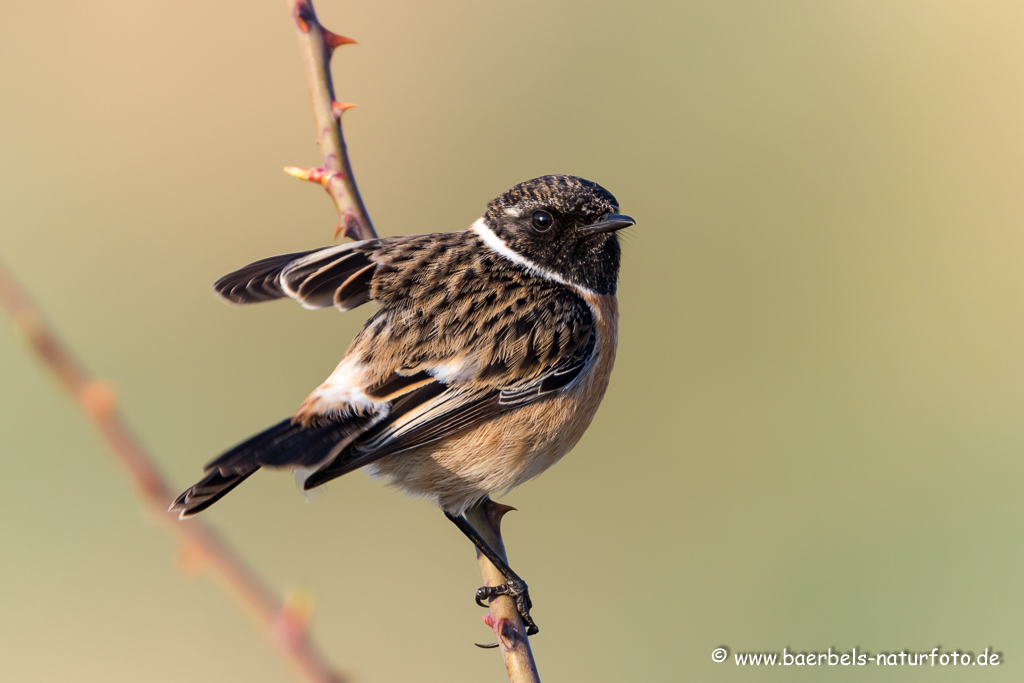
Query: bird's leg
514	586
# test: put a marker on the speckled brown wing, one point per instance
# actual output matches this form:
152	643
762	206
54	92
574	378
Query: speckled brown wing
439	408
462	335
514	340
429	269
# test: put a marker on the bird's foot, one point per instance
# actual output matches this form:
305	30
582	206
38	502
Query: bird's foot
518	591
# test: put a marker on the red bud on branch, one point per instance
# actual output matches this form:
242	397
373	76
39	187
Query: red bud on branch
292	624
303	15
314	175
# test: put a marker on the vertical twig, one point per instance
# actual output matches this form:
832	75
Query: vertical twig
504	617
317	44
201	546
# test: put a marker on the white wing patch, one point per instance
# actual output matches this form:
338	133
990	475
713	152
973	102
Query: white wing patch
343	392
458	370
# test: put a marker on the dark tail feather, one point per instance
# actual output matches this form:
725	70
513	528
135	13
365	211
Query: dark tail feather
206	492
286	444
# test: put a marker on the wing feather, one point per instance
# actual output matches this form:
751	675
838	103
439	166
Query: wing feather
355	291
339	276
317	289
258	281
428	406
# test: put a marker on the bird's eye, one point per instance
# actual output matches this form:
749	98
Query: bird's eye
542	221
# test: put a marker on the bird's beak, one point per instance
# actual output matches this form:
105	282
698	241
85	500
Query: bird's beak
609	222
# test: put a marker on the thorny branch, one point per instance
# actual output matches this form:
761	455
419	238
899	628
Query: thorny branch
317	44
285	623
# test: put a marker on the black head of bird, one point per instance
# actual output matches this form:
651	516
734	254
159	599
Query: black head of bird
565	225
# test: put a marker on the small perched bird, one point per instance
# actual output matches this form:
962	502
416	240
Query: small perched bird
484	364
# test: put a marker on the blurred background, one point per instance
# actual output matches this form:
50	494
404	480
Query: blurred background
813	434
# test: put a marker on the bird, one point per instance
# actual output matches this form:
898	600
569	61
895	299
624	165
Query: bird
486	360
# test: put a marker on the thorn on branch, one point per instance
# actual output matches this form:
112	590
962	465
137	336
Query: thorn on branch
504	629
333	41
305	19
348	226
496	512
339	108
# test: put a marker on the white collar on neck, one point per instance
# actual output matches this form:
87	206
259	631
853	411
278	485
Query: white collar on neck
498	246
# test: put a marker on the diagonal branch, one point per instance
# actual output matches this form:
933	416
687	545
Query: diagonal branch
317	44
283	623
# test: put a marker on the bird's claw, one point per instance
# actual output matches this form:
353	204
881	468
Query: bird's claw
518	591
